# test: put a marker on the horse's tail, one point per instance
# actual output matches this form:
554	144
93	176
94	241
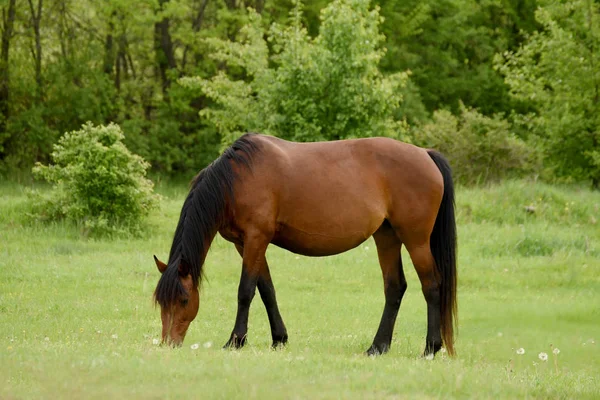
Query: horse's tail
443	248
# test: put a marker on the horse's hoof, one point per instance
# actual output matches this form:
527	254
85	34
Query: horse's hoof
279	341
235	342
378	349
431	348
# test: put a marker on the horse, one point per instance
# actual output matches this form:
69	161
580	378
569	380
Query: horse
317	199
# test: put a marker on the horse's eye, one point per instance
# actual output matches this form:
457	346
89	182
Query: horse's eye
184	302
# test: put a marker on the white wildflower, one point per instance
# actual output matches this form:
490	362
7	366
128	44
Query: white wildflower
194	346
521	351
543	356
115	336
207	345
556	350
47	339
155	341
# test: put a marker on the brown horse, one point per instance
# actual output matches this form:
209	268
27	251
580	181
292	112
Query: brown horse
317	199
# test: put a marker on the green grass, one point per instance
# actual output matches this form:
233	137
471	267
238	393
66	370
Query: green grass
525	280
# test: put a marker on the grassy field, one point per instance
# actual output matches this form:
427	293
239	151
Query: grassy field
77	318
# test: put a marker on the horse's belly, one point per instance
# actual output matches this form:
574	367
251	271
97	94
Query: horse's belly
322	243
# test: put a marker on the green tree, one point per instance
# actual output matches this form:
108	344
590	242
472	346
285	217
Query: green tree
449	45
323	88
558	70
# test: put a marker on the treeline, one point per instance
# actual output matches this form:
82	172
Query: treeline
516	82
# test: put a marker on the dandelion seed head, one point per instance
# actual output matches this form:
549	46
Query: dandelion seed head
155	341
521	351
194	346
543	356
115	336
207	345
556	350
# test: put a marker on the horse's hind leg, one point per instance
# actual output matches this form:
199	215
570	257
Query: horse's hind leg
388	250
430	283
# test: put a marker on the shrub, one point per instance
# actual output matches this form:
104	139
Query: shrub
96	181
479	148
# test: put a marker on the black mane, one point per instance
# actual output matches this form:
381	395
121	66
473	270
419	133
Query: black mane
203	212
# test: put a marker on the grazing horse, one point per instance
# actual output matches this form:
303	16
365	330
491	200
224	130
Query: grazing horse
317	199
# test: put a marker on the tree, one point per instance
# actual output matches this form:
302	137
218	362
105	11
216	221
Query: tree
558	70
8	20
323	88
449	45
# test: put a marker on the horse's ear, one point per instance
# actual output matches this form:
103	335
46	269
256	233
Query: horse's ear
160	265
184	268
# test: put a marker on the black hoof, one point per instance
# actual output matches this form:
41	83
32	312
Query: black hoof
235	342
279	341
378	349
431	348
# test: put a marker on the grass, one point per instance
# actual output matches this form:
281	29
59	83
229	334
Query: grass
77	319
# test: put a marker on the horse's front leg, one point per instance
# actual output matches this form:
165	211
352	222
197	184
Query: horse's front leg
253	256
267	293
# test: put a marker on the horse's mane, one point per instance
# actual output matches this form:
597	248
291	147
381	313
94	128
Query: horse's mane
203	212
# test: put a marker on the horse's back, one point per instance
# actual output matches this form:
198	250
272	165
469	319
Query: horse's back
327	197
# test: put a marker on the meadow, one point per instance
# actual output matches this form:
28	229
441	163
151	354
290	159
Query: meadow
77	318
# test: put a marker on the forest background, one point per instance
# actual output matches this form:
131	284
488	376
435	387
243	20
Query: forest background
503	87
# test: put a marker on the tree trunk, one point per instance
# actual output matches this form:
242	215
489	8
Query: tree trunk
8	20
36	18
109	48
163	45
196	25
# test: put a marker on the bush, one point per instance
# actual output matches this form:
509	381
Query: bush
479	148
96	181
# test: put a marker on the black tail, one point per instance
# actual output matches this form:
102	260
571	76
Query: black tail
443	248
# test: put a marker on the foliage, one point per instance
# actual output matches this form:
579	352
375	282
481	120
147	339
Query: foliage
304	73
323	88
558	71
479	148
448	45
96	181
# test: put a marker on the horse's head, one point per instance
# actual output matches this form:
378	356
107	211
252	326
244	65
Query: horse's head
180	309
